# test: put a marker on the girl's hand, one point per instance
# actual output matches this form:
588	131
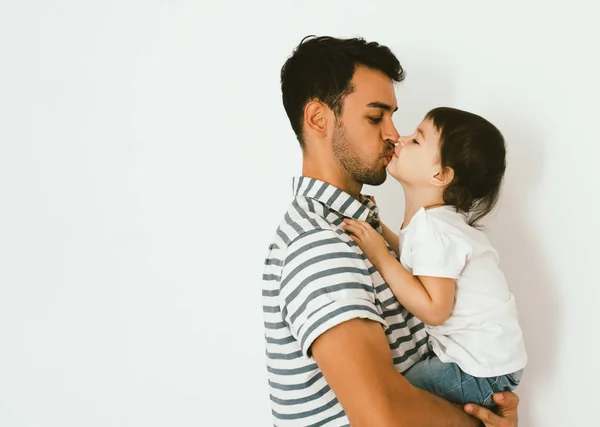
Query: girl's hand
368	239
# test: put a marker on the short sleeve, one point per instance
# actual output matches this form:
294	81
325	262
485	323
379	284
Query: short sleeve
324	282
438	254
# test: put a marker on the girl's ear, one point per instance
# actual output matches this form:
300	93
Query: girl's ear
443	177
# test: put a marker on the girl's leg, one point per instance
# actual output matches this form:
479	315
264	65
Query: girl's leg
447	380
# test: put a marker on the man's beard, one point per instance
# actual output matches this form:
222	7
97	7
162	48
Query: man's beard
360	169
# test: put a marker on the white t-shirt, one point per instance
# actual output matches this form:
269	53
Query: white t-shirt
482	334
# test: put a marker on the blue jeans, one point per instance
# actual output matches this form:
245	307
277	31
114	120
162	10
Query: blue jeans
447	380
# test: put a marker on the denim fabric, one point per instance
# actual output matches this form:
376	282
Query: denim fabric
447	380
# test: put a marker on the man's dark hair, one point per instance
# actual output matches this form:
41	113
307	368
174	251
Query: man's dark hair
321	68
474	148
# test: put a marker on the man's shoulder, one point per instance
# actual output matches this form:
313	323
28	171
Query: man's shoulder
303	218
306	234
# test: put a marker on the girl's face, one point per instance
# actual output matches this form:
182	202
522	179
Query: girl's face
416	159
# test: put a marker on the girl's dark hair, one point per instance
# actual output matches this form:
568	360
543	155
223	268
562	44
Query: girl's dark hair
474	148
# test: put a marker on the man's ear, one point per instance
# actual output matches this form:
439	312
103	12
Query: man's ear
443	177
315	118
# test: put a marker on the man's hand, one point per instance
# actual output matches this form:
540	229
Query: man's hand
368	239
506	416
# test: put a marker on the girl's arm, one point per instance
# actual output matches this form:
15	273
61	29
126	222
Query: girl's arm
391	238
429	298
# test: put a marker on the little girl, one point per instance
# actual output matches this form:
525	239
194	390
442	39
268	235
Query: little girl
451	170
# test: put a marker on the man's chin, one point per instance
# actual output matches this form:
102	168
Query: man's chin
376	180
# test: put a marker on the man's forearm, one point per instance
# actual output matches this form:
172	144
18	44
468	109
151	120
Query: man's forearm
421	408
368	386
443	413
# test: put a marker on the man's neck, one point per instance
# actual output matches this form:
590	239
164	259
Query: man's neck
333	176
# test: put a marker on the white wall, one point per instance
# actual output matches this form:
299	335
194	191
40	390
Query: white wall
146	160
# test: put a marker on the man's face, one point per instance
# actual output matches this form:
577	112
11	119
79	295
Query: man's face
364	136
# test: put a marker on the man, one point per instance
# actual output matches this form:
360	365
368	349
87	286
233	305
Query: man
337	340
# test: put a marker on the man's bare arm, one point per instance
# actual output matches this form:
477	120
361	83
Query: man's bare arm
356	361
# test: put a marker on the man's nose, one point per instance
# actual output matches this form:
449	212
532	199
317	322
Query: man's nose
391	134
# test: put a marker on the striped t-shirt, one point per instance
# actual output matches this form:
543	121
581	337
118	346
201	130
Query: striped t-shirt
315	278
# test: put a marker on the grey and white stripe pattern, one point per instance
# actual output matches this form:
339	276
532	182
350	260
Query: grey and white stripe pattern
315	277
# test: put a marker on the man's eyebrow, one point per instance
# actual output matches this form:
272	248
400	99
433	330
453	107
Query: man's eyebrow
382	106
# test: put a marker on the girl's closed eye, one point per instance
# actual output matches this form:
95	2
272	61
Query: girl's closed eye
415	141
